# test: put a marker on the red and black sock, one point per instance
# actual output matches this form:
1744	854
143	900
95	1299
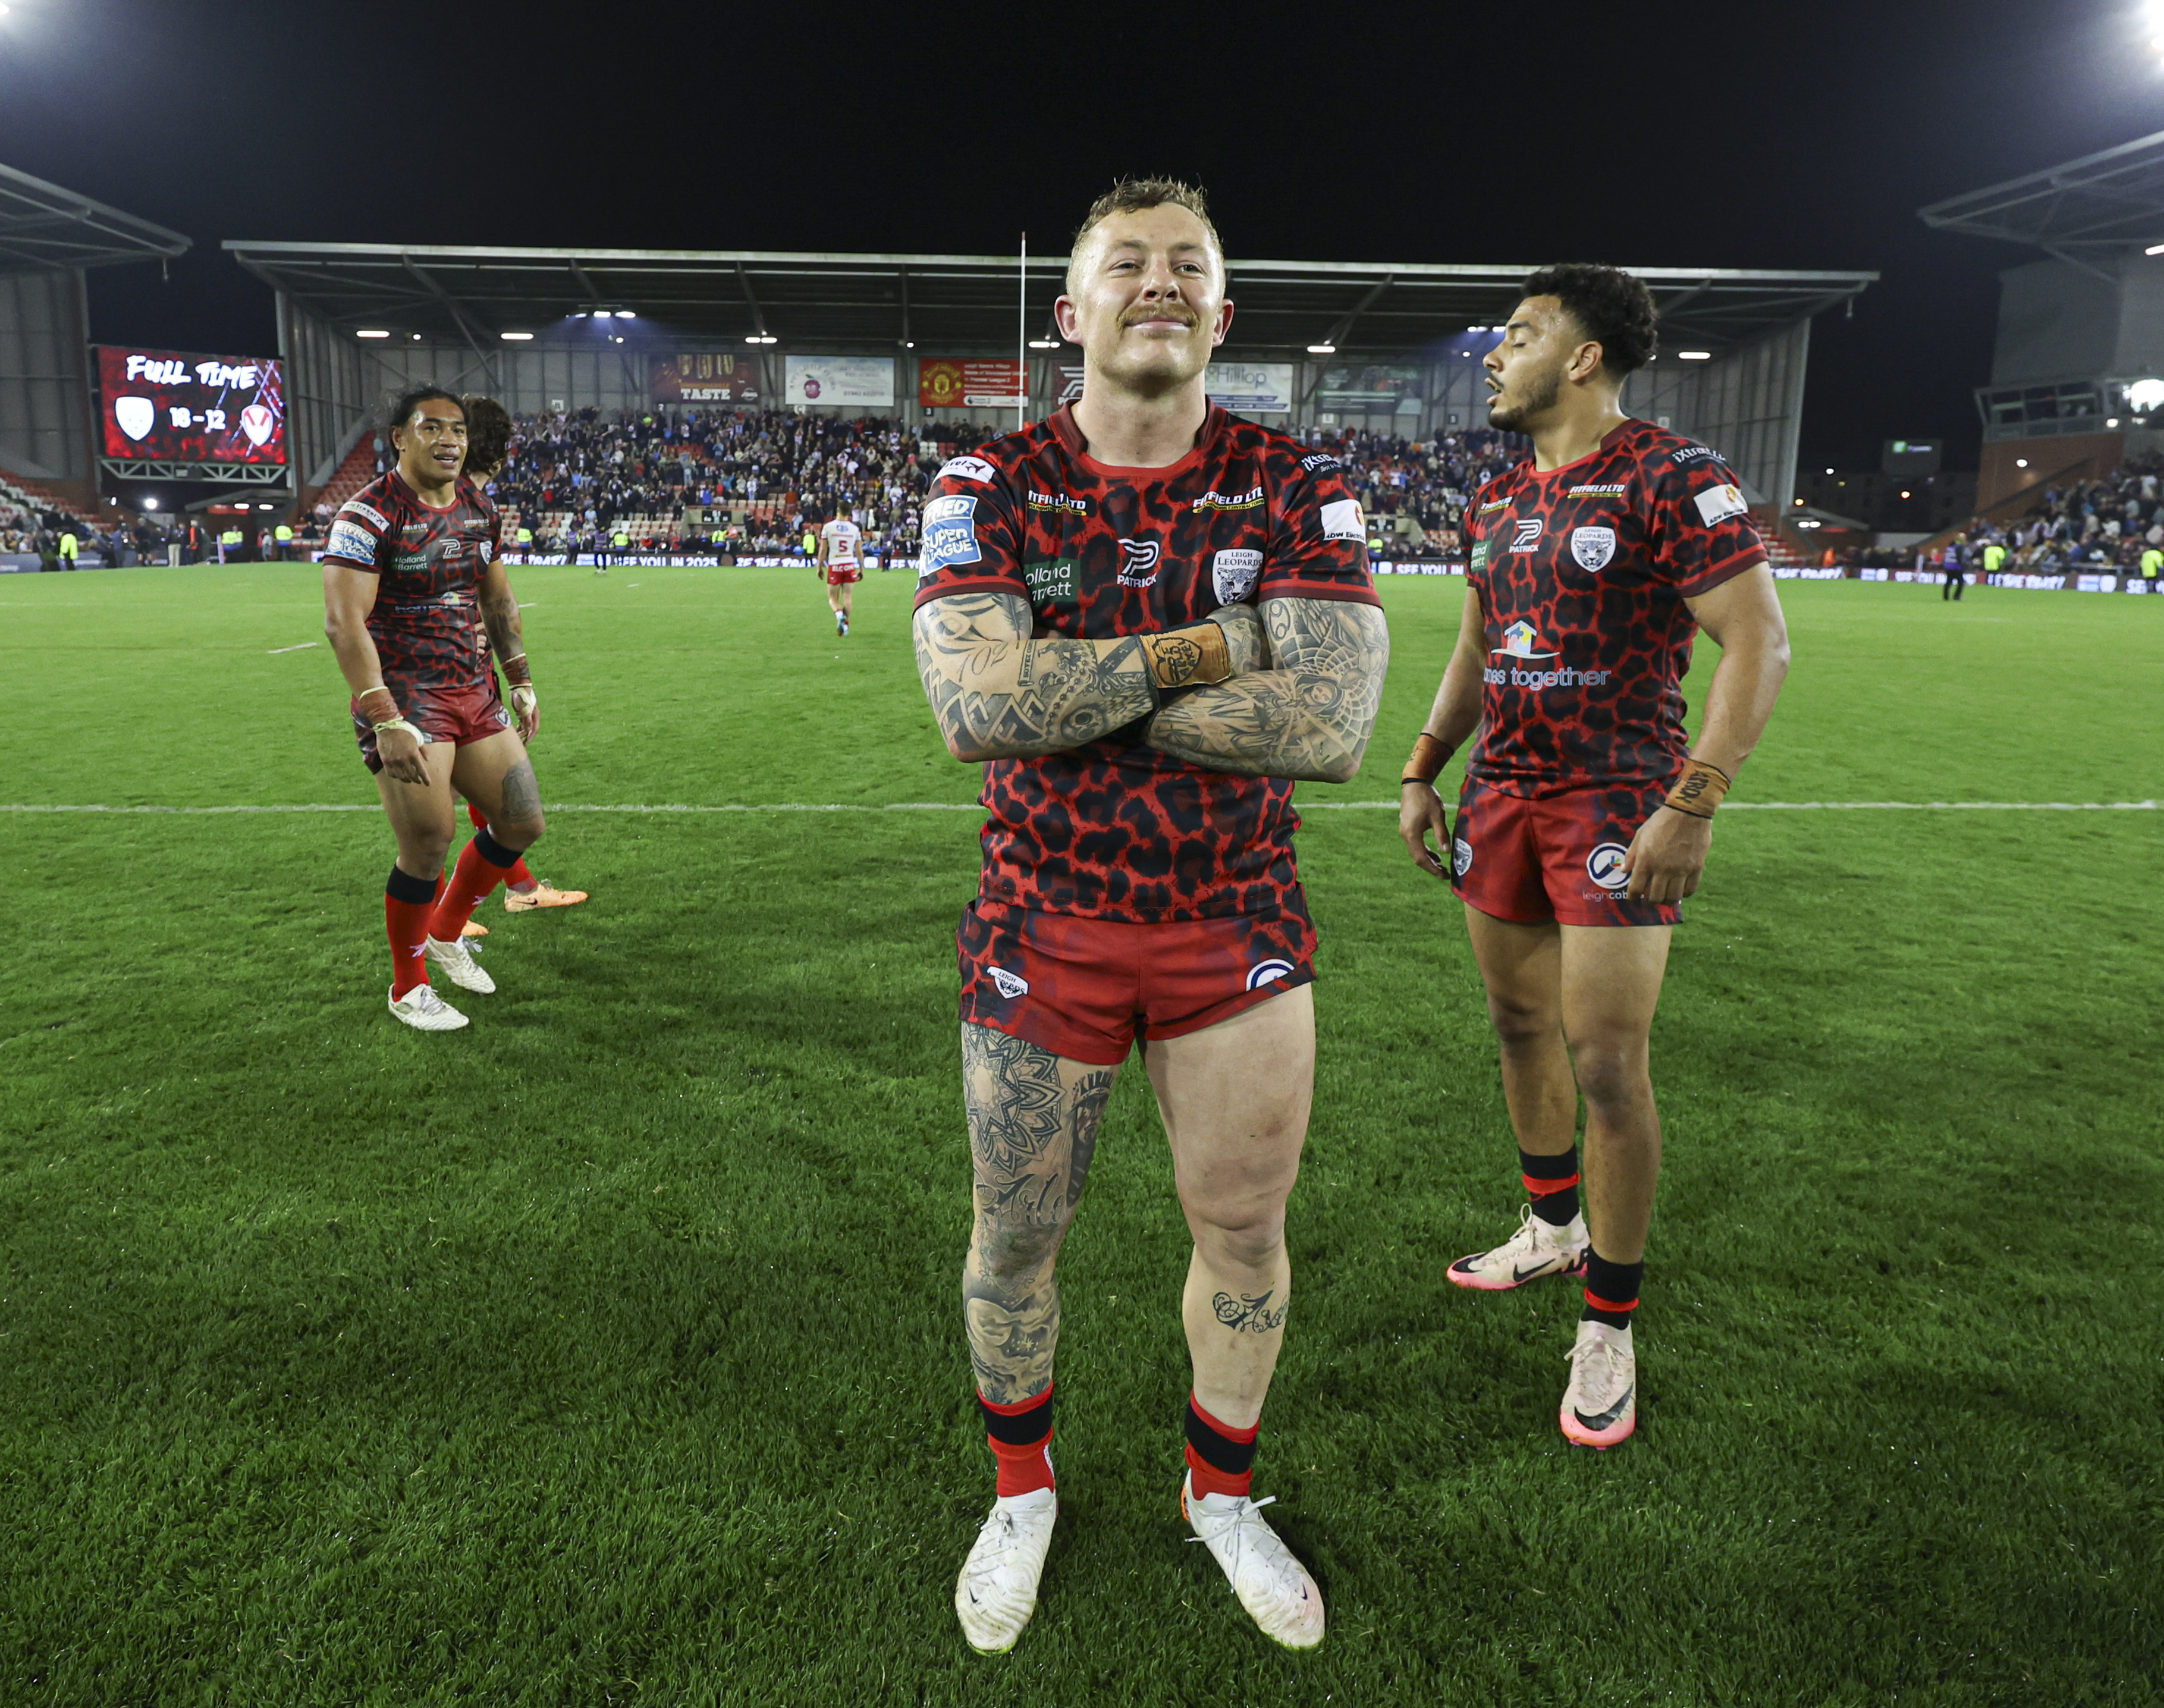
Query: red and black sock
520	878
479	870
407	903
1611	1290
1219	1458
1552	1184
1019	1436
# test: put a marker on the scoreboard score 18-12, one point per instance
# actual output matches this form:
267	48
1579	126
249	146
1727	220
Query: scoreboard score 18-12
177	407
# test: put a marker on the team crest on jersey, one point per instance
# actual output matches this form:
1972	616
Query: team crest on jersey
1528	535
966	468
1139	563
1234	573
1593	548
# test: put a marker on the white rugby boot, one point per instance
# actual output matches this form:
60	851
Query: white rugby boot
1272	1584
1601	1405
421	1007
1537	1248
460	967
997	1590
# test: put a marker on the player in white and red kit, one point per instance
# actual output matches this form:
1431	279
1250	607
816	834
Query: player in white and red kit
1587	812
1149	617
414	599
841	557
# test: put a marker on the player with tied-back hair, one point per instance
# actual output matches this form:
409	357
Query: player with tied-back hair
1149	617
410	566
1586	813
489	429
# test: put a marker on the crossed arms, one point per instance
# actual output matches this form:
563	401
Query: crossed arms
1307	675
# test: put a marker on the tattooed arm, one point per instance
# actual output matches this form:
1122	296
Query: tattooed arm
499	610
998	694
1309	715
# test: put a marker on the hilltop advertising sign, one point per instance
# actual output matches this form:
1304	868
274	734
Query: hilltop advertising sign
176	408
1250	388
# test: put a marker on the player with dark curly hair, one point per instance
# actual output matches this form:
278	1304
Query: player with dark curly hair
489	434
1587	812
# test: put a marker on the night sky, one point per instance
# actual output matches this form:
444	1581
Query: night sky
1801	136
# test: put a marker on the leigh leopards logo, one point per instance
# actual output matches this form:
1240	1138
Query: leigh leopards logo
1593	548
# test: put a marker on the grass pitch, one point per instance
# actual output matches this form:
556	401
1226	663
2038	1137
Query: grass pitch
609	1351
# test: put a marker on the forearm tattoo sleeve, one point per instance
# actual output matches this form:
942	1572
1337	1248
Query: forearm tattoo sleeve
998	694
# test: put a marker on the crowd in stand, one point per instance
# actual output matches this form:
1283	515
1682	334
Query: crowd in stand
748	482
2107	522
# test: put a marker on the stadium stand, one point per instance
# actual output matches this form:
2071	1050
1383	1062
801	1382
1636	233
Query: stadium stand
2107	522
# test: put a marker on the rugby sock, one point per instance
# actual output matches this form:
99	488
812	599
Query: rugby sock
1611	1289
1019	1436
520	880
1552	1184
479	870
407	903
1220	1458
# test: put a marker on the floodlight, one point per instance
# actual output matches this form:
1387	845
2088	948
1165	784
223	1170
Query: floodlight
604	313
2111	421
1694	355
2021	462
516	336
149	503
625	314
2145	395
371	332
1323	350
1044	343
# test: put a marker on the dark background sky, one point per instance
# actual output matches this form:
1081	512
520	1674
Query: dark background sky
1756	135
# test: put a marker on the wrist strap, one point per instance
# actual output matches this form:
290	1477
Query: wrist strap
1699	790
517	671
1189	657
376	714
1430	756
400	723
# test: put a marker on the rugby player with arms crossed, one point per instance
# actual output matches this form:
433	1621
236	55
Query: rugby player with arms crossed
411	563
1587	814
1149	617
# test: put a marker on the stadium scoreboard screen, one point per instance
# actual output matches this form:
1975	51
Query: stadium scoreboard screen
177	408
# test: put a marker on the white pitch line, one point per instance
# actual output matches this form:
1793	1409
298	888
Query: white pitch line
302	647
972	807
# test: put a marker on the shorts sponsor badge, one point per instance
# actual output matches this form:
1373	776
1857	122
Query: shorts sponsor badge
1263	972
1716	504
349	540
1234	573
1009	986
965	469
1341	520
1593	548
950	533
1461	856
1604	866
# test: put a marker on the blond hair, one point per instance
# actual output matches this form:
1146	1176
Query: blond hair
1133	196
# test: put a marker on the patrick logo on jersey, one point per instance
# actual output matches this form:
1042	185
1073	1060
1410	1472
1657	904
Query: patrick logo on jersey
1521	645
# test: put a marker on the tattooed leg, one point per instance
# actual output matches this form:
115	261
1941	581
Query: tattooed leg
1033	1121
1235	1100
